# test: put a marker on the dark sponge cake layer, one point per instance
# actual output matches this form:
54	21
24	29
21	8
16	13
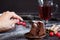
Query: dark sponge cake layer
37	31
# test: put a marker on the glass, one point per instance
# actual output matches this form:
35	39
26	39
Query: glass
45	9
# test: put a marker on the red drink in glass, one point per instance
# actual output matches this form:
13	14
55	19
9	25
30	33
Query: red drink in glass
45	12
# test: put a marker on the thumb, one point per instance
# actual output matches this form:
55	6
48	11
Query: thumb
13	21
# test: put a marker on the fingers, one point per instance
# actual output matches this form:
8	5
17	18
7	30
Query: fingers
8	15
13	21
12	24
16	16
7	27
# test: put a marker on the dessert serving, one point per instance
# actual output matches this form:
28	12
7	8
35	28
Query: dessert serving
37	30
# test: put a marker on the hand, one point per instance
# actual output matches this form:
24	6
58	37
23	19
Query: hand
6	23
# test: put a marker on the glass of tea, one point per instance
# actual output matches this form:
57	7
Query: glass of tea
45	9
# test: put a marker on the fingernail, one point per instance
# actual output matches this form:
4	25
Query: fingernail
17	20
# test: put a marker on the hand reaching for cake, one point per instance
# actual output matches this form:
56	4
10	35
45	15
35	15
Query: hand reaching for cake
6	23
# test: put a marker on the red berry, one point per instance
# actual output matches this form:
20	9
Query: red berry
21	23
24	23
18	21
51	34
58	34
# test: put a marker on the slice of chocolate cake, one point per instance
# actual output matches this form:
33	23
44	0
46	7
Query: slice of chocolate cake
37	30
33	29
41	30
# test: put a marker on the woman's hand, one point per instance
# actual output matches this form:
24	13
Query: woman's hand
6	23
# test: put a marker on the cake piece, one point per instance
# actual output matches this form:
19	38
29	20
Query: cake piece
41	29
37	30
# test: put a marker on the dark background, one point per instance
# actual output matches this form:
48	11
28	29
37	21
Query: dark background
18	5
22	6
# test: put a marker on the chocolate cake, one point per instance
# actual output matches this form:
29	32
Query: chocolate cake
41	29
37	30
